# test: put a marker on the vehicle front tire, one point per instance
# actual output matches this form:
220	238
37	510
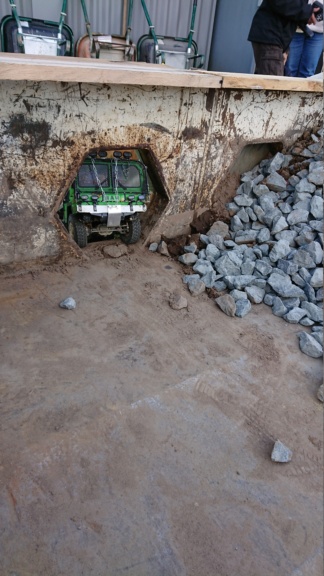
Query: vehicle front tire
78	231
134	231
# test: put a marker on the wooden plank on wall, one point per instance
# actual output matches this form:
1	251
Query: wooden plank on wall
260	82
65	69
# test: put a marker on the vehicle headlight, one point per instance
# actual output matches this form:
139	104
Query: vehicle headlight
84	197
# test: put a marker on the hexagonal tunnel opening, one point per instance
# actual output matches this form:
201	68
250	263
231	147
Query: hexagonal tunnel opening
117	192
252	154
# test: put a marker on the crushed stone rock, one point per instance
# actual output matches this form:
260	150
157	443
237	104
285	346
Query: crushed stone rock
281	453
188	258
192	248
163	249
294	315
313	311
272	250
69	303
320	393
227	304
316	280
219	228
243	307
255	294
177	301
196	287
190	277
115	251
276	182
310	346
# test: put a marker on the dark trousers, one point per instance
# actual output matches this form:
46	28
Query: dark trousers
268	59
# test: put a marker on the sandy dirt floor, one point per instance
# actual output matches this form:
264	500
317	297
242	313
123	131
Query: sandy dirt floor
136	439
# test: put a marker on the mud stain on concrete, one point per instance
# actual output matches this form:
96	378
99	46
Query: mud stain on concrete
32	133
156	127
192	133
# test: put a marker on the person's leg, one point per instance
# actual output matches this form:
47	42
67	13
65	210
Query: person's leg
295	54
311	54
268	59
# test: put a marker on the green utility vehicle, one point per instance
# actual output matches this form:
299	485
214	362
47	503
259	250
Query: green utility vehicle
107	196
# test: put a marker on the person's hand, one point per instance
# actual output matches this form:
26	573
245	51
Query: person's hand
312	19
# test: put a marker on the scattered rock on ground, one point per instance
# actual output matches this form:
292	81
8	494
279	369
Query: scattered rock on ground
69	303
163	249
320	393
227	304
177	302
310	346
243	306
281	453
115	251
196	287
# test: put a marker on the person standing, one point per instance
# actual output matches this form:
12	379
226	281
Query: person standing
273	27
305	50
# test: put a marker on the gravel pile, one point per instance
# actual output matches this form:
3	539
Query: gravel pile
272	251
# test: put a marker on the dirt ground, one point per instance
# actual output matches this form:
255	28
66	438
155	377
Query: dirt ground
136	439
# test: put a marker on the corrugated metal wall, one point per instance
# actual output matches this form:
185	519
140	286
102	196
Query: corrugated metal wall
23	6
170	17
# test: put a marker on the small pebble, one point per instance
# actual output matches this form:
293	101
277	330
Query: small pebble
281	453
177	302
69	303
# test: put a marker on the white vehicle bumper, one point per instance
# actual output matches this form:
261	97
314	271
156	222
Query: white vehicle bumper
122	209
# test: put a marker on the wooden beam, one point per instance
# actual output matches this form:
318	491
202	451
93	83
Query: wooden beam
260	82
68	69
65	69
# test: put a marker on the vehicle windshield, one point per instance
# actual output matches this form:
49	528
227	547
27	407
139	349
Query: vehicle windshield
128	175
88	176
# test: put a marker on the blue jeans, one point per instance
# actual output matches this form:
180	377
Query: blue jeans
304	54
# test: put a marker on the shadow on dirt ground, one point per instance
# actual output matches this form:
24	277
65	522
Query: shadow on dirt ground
136	439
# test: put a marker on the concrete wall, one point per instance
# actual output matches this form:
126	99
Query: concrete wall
194	136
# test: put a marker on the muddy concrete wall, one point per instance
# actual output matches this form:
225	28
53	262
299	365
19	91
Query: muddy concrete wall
193	137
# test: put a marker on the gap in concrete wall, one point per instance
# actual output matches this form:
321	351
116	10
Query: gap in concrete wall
160	197
252	154
94	185
249	157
